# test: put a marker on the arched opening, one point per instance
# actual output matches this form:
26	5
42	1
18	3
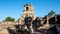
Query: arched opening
27	8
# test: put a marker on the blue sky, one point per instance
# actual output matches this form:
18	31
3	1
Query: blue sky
14	8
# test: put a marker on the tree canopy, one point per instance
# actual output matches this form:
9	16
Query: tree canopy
50	14
9	19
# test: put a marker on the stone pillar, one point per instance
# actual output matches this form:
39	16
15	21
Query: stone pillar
47	25
32	30
47	20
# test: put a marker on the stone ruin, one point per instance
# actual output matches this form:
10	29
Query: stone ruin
28	23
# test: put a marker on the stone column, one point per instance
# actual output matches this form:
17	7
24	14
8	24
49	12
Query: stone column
32	30
47	25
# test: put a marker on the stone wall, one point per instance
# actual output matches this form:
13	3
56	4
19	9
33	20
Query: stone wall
5	25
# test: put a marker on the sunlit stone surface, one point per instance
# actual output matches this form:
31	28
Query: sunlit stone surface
28	23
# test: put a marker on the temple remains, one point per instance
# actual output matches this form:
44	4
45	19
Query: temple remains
28	23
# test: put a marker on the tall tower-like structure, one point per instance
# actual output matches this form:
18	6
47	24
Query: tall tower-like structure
28	10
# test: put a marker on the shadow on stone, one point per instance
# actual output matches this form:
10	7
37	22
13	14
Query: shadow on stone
12	31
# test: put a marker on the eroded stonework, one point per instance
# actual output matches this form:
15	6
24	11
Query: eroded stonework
28	23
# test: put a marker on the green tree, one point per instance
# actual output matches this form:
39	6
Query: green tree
9	19
50	13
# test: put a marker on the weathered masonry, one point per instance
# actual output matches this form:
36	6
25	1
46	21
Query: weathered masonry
28	23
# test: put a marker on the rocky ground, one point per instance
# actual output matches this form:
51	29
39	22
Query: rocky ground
13	29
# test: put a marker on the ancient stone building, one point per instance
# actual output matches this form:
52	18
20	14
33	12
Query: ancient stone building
42	25
28	12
